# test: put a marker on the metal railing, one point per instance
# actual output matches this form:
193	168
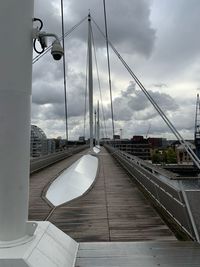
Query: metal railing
37	164
162	187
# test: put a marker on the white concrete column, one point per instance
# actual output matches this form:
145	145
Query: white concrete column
15	98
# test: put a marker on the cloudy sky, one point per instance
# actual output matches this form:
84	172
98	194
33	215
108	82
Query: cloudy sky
159	40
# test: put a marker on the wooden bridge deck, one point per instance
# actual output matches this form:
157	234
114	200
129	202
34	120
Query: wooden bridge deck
139	254
113	210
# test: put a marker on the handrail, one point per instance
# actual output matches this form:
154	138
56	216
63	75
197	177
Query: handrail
43	162
168	193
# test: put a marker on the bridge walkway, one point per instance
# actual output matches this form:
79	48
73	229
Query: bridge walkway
39	208
139	254
113	210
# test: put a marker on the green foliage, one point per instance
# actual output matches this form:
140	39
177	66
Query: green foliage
167	156
171	156
156	157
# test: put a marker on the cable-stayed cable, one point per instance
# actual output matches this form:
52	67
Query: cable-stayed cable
64	74
109	73
155	105
86	87
99	84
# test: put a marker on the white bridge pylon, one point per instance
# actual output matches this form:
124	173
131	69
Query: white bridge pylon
22	243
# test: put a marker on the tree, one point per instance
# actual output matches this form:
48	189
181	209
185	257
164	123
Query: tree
171	156
156	157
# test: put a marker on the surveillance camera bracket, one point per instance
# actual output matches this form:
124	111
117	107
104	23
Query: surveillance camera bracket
41	35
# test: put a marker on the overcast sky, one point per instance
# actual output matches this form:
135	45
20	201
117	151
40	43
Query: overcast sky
160	41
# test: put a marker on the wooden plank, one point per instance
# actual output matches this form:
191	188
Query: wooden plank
151	254
138	245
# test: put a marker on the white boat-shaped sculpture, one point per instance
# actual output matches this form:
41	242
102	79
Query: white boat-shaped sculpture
74	181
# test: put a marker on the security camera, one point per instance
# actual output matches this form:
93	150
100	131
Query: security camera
57	50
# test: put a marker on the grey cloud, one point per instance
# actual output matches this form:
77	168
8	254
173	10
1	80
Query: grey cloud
46	10
48	89
177	43
160	85
56	110
47	69
186	42
173	47
146	114
48	112
45	93
132	102
180	118
165	101
134	35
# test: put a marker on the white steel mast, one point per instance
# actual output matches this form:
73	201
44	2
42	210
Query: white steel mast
90	82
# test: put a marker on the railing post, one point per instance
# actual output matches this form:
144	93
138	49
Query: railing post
190	215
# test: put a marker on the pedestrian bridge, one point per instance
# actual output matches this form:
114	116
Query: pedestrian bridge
117	224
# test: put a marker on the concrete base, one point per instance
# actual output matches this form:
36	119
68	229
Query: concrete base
50	247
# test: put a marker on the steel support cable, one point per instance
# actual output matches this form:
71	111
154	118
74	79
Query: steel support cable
64	73
155	105
197	114
161	113
101	127
86	86
109	73
195	123
99	84
35	59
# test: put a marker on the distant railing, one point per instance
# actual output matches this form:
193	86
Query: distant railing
163	188
37	164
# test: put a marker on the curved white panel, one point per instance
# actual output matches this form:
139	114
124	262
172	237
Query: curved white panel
96	149
73	182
